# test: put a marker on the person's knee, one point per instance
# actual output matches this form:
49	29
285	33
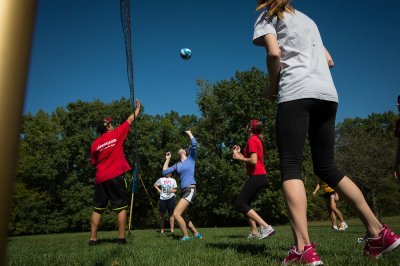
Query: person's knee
176	215
330	174
122	214
241	206
291	166
120	210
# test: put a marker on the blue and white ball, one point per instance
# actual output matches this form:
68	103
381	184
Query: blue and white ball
186	53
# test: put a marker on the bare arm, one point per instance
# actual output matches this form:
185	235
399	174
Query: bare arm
167	159
336	196
189	133
316	189
157	188
329	58
273	65
132	117
238	156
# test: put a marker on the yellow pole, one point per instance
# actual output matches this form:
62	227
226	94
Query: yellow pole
130	213
16	26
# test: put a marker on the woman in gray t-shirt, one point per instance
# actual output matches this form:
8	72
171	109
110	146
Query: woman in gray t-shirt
298	67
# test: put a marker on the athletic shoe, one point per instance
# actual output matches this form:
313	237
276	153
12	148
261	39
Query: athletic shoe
386	241
121	241
266	232
198	236
343	226
335	227
93	242
308	256
252	236
185	238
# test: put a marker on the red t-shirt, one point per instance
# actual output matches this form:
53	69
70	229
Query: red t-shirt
254	145
107	154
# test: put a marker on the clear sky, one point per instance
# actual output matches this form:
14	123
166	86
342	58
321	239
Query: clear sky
79	52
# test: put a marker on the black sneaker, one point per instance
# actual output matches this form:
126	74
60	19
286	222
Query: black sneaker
93	242
121	241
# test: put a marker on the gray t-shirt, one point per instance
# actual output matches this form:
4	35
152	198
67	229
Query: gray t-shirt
304	69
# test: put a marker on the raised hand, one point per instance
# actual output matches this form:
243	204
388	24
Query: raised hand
189	133
137	103
236	149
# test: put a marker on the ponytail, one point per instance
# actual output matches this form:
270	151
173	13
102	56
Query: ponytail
275	7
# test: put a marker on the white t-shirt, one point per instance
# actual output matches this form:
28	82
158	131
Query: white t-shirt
304	69
166	184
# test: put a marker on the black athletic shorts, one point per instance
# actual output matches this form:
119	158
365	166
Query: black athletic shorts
327	195
113	190
168	204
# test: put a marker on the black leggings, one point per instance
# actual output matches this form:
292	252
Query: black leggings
317	118
249	190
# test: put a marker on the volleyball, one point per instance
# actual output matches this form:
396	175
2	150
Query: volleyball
186	53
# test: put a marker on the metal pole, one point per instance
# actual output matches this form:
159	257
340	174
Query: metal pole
16	27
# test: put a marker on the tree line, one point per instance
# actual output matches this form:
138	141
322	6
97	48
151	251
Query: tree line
55	180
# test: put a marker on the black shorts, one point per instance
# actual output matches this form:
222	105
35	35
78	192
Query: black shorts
113	190
328	195
168	204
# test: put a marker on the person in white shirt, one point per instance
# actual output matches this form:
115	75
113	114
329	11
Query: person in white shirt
299	77
166	186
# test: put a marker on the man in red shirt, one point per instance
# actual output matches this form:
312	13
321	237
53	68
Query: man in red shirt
107	154
397	135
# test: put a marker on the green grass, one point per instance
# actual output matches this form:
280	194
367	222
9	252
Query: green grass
220	246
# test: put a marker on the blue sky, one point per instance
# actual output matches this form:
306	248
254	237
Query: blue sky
79	52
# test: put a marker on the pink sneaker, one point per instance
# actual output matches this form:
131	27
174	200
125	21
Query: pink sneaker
307	257
386	242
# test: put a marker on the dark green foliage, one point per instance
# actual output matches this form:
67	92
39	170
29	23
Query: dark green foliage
55	180
365	151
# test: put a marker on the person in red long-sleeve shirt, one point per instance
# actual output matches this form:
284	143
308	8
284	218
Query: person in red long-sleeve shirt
107	154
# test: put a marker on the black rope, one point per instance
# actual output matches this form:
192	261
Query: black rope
125	7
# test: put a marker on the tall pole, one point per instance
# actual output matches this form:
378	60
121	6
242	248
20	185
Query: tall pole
16	27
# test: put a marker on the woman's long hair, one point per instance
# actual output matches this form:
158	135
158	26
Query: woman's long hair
275	7
256	127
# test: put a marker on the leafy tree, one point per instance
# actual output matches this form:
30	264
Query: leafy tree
55	180
365	151
227	106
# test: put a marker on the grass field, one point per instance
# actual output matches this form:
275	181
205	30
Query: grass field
220	246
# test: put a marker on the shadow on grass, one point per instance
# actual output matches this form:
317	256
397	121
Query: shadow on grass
236	236
108	240
253	249
173	236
